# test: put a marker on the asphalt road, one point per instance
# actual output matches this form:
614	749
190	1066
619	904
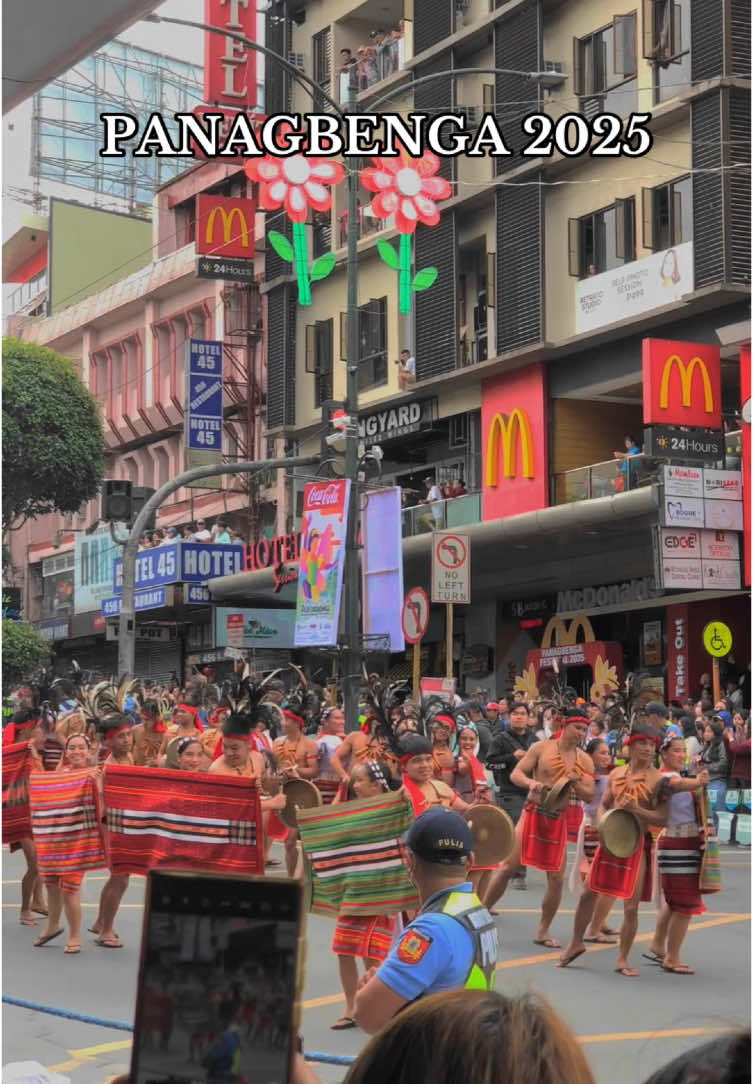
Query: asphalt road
629	1026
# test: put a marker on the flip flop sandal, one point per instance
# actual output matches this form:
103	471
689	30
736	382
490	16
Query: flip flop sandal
108	942
547	942
600	940
38	911
653	957
565	961
609	931
343	1024
28	922
681	969
45	938
627	972
72	950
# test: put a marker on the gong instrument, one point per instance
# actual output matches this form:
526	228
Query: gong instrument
557	797
620	832
298	793
493	834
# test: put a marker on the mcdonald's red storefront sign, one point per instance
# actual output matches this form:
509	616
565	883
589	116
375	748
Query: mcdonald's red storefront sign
514	443
225	227
682	384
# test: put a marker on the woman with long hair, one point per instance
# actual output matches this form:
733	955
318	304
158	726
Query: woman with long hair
714	759
679	851
473	1035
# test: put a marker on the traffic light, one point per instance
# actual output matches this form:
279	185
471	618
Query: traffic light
117	501
334	422
141	495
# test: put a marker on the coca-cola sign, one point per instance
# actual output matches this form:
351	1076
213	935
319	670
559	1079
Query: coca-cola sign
328	499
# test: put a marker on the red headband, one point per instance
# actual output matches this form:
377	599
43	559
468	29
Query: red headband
114	732
192	711
642	737
574	719
296	718
446	720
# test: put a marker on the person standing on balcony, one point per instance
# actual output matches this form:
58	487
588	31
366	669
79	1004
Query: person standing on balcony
407	373
431	519
631	448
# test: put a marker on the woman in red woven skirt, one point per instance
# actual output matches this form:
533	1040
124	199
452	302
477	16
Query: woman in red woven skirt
679	851
366	936
64	891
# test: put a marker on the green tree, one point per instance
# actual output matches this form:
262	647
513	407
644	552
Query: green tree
53	446
24	651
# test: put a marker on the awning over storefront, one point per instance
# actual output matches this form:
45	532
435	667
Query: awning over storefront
568	545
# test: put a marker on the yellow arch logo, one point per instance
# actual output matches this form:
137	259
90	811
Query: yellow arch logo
558	634
227	225
686	381
511	431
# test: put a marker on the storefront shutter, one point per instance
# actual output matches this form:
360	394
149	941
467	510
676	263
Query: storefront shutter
520	315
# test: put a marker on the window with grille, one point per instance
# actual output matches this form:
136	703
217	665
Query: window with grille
372	342
322	43
668	214
319	354
605	66
602	240
666	41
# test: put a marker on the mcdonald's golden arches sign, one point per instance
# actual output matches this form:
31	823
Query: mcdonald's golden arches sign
225	227
514	443
682	384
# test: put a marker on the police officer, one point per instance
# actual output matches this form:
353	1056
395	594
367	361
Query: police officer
452	942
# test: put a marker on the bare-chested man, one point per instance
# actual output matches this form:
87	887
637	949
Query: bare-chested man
118	741
631	787
298	758
148	736
360	746
543	765
442	728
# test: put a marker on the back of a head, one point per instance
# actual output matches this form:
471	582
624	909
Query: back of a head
476	1036
721	1061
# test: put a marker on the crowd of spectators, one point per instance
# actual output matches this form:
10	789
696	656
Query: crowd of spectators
375	61
220	534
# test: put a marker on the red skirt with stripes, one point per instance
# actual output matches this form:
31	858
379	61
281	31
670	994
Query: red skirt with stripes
544	839
367	936
617	877
573	817
679	868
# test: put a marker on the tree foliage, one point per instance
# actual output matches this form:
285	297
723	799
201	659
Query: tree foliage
53	447
24	651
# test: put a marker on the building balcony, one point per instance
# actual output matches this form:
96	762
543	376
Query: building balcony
440	515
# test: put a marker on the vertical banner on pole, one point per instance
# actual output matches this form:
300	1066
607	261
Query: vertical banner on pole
382	568
322	564
203	420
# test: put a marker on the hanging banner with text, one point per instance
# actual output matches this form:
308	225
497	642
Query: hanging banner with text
320	576
182	562
203	421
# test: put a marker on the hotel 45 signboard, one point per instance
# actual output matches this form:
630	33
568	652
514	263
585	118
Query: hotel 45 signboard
182	562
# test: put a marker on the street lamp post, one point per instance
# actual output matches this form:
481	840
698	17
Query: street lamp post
352	643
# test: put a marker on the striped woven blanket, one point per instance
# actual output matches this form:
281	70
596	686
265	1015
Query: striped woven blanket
16	814
66	820
353	856
161	819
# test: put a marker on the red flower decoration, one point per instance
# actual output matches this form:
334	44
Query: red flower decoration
298	182
406	188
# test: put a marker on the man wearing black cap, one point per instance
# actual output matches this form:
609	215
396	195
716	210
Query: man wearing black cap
452	943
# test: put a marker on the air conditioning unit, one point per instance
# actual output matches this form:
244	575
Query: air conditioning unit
553	74
296	59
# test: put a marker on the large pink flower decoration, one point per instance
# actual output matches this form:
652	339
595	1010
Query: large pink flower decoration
298	182
407	188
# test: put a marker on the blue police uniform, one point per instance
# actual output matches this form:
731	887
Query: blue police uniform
452	943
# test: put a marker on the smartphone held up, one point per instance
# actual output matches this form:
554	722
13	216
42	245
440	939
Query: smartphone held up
219	982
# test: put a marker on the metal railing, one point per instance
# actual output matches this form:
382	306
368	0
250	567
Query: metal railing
439	515
604	479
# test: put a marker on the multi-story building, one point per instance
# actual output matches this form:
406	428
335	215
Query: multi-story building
553	269
130	342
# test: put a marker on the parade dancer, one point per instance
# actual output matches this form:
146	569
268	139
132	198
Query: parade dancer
298	757
680	848
588	840
32	890
417	764
328	740
540	835
366	937
148	735
633	787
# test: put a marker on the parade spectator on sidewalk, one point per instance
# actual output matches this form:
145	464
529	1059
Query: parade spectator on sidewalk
739	748
714	758
201	534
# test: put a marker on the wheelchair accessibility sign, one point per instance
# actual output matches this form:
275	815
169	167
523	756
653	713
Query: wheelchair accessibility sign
717	639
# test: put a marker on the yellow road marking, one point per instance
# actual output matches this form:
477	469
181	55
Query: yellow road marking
670	1033
525	961
103	1048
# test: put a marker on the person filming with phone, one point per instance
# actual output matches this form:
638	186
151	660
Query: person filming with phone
452	943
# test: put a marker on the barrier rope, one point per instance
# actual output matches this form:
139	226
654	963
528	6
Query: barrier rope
121	1025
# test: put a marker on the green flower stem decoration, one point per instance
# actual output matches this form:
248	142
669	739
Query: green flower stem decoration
404	273
401	263
297	254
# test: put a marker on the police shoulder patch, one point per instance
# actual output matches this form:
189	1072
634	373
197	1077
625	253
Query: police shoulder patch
413	946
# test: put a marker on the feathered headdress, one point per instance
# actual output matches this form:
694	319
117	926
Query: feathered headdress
384	708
